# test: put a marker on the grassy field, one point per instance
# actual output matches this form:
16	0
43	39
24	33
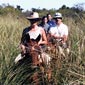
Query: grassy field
72	72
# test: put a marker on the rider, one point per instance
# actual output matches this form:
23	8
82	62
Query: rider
50	21
34	31
44	24
60	31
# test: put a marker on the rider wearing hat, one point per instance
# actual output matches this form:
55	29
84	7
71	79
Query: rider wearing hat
35	32
60	31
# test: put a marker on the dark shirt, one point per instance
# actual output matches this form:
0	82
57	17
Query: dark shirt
25	38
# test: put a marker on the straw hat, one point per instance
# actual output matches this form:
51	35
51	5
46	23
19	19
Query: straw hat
34	16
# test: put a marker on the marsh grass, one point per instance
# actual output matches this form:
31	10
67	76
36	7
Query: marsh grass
72	72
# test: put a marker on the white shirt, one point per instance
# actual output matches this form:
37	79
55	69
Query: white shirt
59	30
35	34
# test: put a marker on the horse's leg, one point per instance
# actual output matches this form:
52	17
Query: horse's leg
49	74
35	62
35	78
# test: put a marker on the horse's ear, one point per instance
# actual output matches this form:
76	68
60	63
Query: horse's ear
38	38
27	37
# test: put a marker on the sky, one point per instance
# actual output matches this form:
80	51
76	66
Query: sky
39	4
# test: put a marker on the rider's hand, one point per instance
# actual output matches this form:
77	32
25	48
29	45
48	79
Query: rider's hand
23	48
64	45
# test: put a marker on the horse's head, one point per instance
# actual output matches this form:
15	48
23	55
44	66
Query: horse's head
50	39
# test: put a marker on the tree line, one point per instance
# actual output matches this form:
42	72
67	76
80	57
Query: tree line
66	11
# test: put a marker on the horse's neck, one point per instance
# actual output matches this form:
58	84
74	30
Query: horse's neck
34	53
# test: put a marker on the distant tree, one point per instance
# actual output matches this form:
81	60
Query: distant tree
79	6
27	13
44	9
19	8
34	9
1	7
6	9
63	7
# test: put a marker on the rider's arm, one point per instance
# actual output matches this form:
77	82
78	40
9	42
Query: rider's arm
44	38
65	37
57	37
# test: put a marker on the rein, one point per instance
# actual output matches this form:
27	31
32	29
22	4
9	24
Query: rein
30	47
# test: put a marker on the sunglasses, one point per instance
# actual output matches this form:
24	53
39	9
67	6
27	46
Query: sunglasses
57	18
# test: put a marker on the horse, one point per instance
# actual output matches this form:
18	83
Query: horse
39	59
58	53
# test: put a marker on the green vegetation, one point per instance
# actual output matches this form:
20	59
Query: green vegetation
11	26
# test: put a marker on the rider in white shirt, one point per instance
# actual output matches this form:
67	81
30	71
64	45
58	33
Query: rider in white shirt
60	31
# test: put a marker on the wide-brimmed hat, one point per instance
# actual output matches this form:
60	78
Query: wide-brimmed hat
34	16
57	15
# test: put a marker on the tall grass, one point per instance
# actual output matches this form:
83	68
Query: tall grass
72	72
76	64
10	33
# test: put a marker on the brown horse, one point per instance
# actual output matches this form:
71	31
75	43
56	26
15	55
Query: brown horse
37	55
34	51
56	52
